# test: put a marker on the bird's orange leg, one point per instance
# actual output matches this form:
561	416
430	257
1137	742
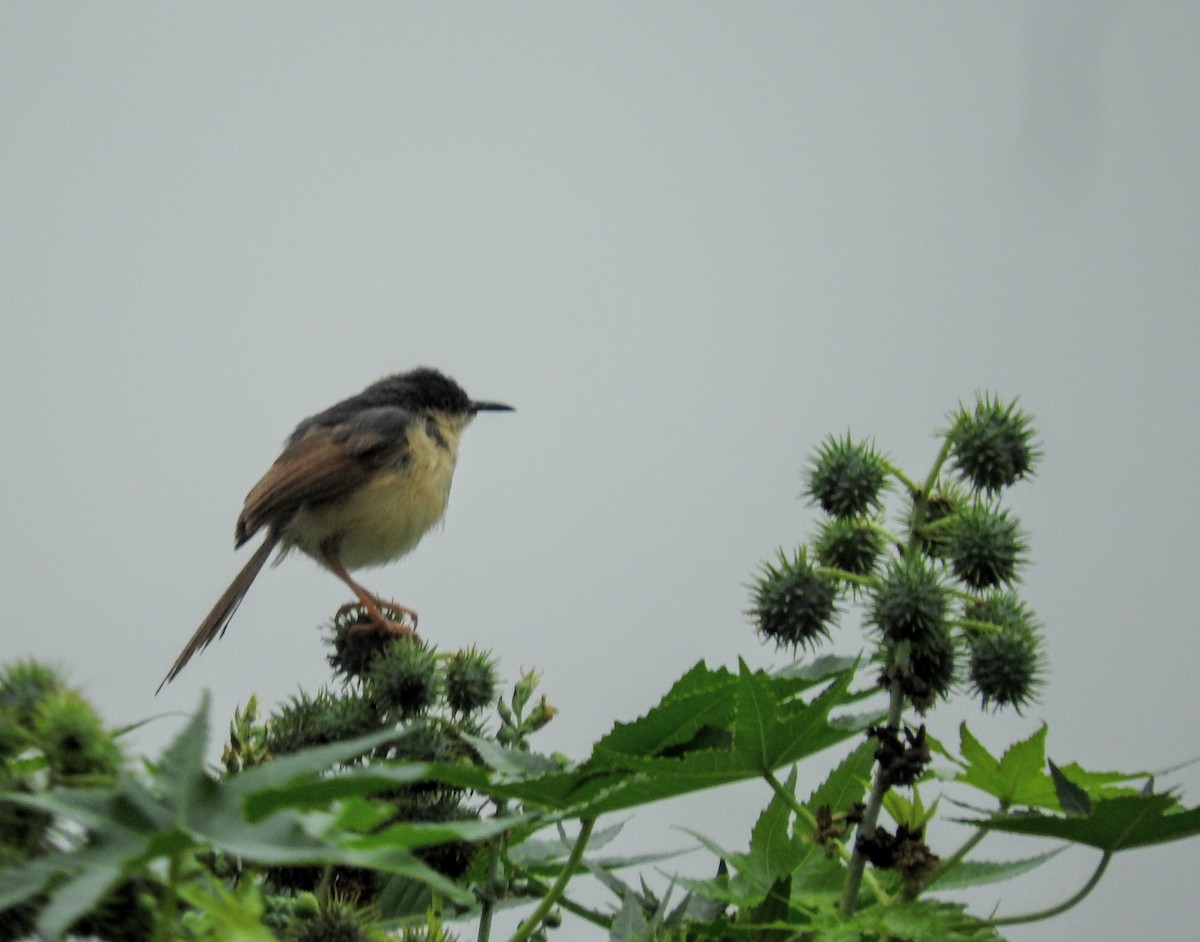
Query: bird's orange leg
370	604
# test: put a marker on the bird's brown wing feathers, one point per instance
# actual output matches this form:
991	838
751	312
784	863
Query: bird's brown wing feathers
326	462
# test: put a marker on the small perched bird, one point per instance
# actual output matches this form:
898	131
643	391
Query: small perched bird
356	485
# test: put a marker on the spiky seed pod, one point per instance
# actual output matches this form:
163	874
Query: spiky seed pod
346	717
73	739
992	445
926	671
850	544
404	678
23	687
910	604
339	921
355	642
295	725
931	533
470	681
342	882
1004	665
792	603
985	546
847	478
1004	668
316	721
426	740
1004	609
13	738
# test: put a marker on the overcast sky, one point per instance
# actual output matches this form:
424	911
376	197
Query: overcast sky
686	241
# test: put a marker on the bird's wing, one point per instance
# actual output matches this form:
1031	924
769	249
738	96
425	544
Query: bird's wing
326	461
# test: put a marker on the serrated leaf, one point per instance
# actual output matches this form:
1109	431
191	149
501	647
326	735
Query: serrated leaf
811	672
17	884
701	697
773	853
1113	824
512	763
920	921
629	925
746	886
181	769
1071	798
773	731
803	729
975	872
1017	778
755	719
256	785
74	897
402	897
306	791
847	783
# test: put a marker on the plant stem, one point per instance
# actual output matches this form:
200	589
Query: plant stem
858	862
577	909
931	478
491	887
901	476
1061	907
530	925
167	923
834	573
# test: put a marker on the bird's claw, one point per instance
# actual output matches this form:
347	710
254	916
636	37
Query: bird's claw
366	620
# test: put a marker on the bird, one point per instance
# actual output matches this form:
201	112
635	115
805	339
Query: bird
356	485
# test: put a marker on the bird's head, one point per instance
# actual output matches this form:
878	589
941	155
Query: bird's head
433	393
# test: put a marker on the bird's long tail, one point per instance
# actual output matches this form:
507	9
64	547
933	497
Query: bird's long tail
214	625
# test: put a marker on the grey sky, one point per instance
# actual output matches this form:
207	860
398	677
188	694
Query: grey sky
685	241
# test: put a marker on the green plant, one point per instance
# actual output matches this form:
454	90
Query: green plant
397	803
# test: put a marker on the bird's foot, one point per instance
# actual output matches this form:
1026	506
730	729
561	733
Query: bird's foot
387	617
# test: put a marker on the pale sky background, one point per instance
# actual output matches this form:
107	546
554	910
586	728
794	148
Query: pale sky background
686	241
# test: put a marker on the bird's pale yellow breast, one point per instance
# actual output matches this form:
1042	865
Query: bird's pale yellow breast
385	517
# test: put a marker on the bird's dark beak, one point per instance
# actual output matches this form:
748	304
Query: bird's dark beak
491	407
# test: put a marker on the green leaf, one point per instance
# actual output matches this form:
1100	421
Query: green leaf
746	886
773	852
1072	798
804	729
402	897
1018	778
304	791
911	813
921	921
974	872
810	672
630	923
1113	824
847	783
774	728
237	913
75	897
280	773
511	763
756	717
410	835
17	884
701	697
